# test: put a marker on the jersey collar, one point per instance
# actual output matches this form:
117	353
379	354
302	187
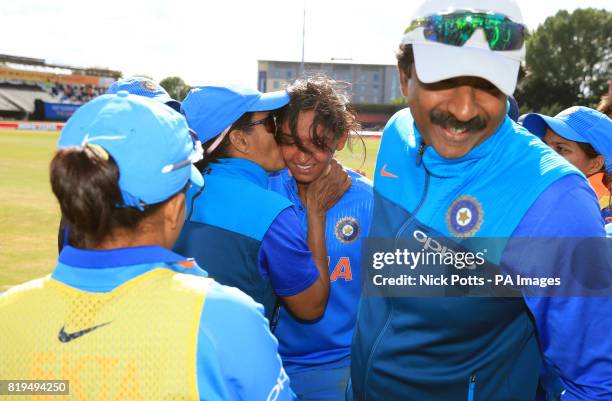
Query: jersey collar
96	259
103	271
290	185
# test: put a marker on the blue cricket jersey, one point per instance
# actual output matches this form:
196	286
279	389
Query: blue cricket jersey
510	187
327	341
237	358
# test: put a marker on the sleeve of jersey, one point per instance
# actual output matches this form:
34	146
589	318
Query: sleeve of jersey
285	256
574	332
237	356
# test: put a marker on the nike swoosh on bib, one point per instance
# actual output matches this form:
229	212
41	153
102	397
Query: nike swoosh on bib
385	173
65	337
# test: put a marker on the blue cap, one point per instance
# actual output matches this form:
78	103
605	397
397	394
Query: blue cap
144	87
578	124
210	110
151	145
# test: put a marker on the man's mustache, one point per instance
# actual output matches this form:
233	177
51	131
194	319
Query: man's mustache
448	121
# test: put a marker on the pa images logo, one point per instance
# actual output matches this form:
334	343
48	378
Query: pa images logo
464	217
347	230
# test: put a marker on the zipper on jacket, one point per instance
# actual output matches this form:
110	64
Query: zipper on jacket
366	376
423	196
402	229
420	154
416	210
471	388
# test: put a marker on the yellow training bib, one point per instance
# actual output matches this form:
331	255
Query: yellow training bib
137	342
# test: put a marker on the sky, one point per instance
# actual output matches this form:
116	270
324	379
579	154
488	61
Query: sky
220	41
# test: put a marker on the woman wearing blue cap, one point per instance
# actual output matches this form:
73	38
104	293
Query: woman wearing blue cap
124	317
140	86
243	234
583	136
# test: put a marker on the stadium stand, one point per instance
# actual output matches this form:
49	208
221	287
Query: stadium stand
23	95
31	89
9	109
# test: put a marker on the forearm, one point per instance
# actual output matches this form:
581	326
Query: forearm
316	243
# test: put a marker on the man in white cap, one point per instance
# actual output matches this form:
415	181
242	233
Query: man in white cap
456	179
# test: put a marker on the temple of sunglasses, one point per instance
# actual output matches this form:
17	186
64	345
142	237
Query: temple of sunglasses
457	28
269	123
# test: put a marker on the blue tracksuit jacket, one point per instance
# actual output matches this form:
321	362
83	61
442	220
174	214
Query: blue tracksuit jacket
481	348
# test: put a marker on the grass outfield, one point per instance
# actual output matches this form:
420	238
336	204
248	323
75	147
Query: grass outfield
29	214
360	155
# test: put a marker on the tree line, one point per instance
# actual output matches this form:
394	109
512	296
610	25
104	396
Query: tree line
569	62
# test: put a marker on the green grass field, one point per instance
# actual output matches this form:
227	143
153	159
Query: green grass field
360	155
29	214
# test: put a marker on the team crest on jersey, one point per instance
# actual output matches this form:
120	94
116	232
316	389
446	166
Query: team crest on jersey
347	230
464	217
148	86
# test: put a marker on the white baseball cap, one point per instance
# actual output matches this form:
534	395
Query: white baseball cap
437	61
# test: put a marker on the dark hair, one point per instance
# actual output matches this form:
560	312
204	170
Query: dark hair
86	184
590	152
588	149
329	102
405	58
222	150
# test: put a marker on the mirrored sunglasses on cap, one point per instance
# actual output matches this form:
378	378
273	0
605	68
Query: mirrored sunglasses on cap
457	27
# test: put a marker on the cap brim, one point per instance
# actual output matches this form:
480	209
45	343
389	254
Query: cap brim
196	177
270	101
435	62
537	124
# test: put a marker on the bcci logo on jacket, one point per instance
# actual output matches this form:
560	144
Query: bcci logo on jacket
347	230
464	216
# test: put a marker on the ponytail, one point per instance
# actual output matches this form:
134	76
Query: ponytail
85	181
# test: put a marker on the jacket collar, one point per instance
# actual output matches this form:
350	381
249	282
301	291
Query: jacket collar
440	166
241	168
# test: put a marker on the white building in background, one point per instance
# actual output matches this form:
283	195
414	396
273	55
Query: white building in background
369	83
